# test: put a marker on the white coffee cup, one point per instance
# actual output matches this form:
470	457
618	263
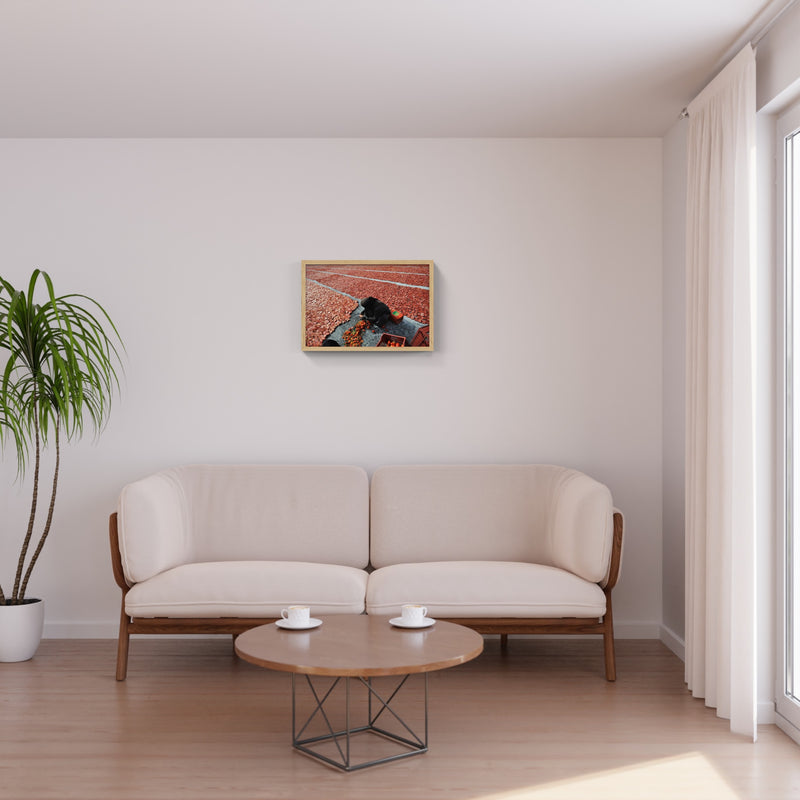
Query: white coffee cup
297	616
413	614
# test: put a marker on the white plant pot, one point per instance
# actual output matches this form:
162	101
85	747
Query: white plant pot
20	630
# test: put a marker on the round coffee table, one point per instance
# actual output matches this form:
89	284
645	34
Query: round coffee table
360	648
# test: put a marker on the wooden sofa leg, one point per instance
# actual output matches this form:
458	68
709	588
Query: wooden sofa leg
504	642
608	643
611	667
122	645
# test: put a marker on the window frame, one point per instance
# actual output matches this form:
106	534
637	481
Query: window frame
787	706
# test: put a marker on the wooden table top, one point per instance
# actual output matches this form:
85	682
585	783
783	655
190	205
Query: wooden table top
359	645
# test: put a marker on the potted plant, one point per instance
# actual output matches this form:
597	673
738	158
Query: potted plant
59	374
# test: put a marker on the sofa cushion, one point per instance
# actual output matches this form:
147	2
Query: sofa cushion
484	589
244	512
248	589
534	513
153	525
279	513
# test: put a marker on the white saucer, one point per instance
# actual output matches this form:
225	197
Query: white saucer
398	623
312	623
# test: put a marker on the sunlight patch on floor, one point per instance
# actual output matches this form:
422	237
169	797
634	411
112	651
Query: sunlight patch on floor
688	776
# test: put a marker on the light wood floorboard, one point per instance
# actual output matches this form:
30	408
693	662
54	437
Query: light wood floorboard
536	723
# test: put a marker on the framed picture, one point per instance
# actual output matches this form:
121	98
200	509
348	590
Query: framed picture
367	305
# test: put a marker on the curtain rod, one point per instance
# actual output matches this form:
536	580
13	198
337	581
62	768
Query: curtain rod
754	38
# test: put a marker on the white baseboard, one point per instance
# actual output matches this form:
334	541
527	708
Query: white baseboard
110	630
673	641
787	727
635	630
107	630
80	630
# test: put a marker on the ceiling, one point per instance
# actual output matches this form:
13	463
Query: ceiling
382	68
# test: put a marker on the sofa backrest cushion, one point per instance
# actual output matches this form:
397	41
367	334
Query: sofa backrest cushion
534	513
153	526
243	513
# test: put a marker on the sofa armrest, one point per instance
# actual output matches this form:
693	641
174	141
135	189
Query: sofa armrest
615	564
153	526
581	526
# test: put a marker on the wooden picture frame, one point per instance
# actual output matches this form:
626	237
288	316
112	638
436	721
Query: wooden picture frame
398	315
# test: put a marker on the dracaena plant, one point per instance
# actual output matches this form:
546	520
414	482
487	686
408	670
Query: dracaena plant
59	362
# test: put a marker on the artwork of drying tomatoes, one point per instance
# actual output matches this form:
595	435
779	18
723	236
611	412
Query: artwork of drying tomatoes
367	305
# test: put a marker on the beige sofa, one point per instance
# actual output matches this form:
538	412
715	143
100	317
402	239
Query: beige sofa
502	549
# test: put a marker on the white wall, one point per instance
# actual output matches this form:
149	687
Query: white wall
548	319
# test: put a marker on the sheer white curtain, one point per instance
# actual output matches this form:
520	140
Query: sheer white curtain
720	470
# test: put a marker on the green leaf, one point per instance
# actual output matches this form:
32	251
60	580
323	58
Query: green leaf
61	366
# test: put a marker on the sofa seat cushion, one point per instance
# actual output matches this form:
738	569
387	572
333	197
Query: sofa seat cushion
248	589
484	589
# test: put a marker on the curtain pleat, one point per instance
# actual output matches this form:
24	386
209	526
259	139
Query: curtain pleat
720	423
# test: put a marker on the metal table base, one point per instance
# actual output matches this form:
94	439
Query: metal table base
413	744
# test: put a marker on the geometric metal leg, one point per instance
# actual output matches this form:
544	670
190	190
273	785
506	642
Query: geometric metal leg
377	706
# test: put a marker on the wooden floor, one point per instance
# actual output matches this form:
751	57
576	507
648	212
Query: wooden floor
537	723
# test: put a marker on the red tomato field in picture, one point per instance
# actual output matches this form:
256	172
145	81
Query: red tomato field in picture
367	304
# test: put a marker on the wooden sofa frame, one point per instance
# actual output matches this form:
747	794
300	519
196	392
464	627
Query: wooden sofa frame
502	626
